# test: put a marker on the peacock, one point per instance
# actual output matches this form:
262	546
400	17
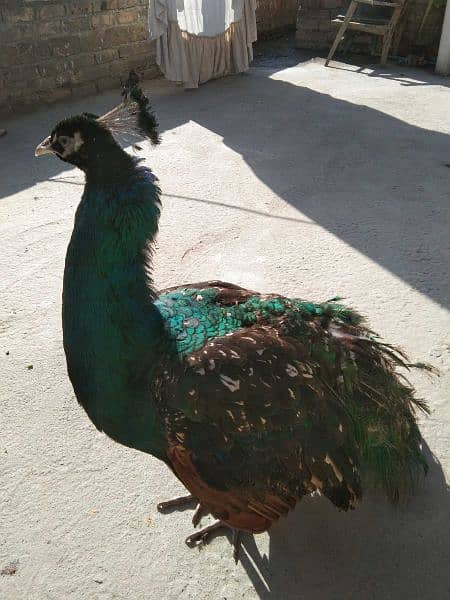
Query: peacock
252	400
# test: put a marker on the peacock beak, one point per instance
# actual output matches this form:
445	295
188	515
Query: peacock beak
44	147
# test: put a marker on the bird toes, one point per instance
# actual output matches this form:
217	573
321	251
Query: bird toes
203	537
199	514
176	503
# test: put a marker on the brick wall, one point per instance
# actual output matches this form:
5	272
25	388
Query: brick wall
315	30
426	42
53	49
314	27
275	15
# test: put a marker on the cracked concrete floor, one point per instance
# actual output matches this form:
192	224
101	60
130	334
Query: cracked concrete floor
296	179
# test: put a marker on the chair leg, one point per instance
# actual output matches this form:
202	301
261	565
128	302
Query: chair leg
396	38
342	29
387	39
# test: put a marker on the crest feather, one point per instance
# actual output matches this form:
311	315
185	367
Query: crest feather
133	115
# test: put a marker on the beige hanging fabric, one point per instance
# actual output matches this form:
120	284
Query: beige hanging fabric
198	40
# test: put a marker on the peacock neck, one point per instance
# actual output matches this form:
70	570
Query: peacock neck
113	333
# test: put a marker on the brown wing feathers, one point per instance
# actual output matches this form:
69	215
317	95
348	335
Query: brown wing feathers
258	430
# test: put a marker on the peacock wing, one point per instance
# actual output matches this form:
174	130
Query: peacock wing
253	426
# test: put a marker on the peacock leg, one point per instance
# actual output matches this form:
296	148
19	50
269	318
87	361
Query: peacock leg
236	541
199	514
202	537
177	503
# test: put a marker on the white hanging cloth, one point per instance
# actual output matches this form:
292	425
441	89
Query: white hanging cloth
198	40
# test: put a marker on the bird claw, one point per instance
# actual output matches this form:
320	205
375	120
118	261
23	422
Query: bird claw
203	536
180	502
199	514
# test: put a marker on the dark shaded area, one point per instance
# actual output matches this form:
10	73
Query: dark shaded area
378	551
385	552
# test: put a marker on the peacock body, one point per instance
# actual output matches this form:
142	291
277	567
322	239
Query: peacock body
252	400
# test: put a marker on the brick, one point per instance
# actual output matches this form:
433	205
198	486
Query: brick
27	100
133	62
103	19
120	4
73	65
125	34
22	73
128	16
100	6
329	4
4	97
76	25
327	25
106	56
94	72
311	40
151	73
42	83
58	94
66	46
8	56
47	28
52	69
117	36
79	8
309	22
307	5
52	12
138	32
32	52
64	79
92	41
107	83
82	60
18	32
15	15
135	48
86	89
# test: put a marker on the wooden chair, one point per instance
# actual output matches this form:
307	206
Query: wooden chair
378	26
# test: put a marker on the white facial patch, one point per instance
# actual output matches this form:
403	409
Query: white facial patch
70	145
77	141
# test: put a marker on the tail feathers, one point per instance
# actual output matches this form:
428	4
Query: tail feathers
392	459
383	407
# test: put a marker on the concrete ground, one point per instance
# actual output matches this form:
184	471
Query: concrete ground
292	178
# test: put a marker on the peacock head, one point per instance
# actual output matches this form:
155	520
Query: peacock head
83	140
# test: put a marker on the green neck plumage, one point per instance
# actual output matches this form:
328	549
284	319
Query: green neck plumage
111	327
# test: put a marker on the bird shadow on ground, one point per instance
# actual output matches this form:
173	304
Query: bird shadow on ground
377	182
378	551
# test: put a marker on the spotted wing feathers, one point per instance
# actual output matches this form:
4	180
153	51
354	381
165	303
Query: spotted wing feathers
272	398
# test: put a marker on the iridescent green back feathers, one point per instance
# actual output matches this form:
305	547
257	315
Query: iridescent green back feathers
347	363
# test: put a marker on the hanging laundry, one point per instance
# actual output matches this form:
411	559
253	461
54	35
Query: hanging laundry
198	40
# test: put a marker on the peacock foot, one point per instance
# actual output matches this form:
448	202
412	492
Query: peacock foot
182	502
202	537
179	502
